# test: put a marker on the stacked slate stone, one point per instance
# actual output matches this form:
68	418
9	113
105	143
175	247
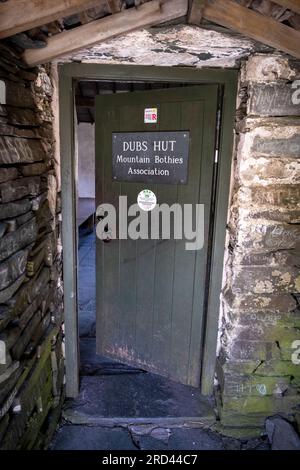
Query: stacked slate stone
259	361
31	359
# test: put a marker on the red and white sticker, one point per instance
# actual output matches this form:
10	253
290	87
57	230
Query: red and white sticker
150	116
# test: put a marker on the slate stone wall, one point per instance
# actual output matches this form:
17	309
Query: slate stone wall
31	339
259	360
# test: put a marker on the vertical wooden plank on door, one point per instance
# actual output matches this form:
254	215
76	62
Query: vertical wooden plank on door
137	265
128	259
145	264
184	270
169	119
207	145
107	254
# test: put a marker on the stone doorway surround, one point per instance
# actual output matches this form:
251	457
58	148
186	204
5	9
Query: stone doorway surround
263	205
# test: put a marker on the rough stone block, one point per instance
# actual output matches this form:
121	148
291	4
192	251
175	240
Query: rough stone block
33	169
22	219
262	319
22	187
20	346
7	374
273	258
270	368
27	293
281	434
283	196
284	349
14	209
19	150
7	174
12	268
257	386
252	351
233	421
277	303
9	291
270	141
265	280
14	241
268	171
41	302
22	117
262	68
277	147
266	405
12	131
263	332
18	95
30	400
276	99
261	236
249	123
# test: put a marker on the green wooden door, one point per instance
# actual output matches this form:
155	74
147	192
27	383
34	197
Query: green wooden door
150	293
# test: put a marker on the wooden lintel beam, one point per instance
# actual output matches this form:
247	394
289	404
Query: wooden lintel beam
17	16
254	25
293	5
196	11
147	14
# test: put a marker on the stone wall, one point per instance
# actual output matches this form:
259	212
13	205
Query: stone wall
260	309
31	353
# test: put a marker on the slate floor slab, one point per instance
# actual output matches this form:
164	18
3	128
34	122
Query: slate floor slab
129	398
70	437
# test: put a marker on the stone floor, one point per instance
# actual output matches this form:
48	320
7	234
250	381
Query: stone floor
122	408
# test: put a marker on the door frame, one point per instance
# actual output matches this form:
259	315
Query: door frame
68	74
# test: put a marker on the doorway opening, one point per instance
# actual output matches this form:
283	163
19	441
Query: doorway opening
158	391
165	87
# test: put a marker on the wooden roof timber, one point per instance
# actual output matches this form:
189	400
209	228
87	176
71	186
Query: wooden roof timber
293	5
249	23
147	14
226	13
17	16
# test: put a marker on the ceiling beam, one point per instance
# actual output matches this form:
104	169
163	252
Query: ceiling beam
293	5
147	14
17	16
114	5
254	25
195	13
84	102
